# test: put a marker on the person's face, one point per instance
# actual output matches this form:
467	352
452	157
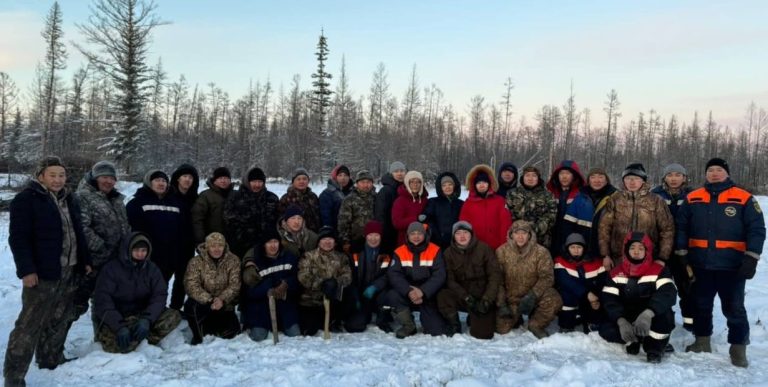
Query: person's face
373	239
507	176
633	183
482	186
342	179
301	182
716	174
521	237
185	182
53	178
447	188
674	180
530	179
158	185
399	175
139	253
598	181
462	237
222	182
576	250
365	185
637	250
565	177
416	237
272	247
216	250
414	185
106	183
256	185
326	244
295	223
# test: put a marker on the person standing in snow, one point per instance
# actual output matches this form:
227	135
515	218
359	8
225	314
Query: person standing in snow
300	194
507	178
355	212
484	209
50	250
564	184
720	231
249	211
208	211
586	211
339	187
444	210
410	203
532	202
385	198
185	181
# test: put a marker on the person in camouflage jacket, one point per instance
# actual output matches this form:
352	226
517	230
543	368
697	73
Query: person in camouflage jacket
356	210
213	283
249	211
532	202
299	193
324	273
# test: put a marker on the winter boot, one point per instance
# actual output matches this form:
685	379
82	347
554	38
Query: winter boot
633	348
408	328
539	332
454	326
701	344
653	357
738	354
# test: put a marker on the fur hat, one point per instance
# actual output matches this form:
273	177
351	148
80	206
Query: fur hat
48	161
103	168
413	175
635	169
719	163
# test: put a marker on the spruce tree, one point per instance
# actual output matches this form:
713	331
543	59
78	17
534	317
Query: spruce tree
321	100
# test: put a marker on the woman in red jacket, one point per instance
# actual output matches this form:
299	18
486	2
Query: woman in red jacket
484	209
411	201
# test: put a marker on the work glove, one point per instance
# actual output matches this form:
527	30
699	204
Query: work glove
642	325
369	292
123	338
329	287
251	276
527	304
748	267
141	330
626	330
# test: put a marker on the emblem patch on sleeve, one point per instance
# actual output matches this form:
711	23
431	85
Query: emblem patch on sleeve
730	211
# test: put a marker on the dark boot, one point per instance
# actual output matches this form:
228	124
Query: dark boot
384	320
701	344
653	357
408	328
454	326
633	348
738	354
539	332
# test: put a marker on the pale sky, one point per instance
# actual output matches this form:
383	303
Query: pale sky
671	56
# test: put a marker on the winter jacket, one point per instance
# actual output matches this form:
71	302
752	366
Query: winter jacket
420	266
308	202
586	212
331	198
382	211
406	210
718	224
105	221
503	187
298	244
247	214
187	200
207	278
574	279
36	232
163	220
318	266
524	269
535	205
443	211
273	271
208	211
369	267
473	271
640	211
127	288
356	210
487	214
564	199
674	200
632	288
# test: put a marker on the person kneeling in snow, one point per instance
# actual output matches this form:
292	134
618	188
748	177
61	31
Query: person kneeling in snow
638	298
270	268
213	284
324	273
416	275
129	299
579	279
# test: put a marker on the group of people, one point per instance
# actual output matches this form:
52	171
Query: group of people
518	251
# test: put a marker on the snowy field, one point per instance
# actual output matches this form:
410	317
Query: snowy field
377	359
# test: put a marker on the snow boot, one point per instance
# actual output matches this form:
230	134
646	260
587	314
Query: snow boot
701	344
738	354
454	327
633	348
408	328
653	357
539	332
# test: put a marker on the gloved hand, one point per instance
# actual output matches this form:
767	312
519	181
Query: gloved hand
123	338
625	329
141	330
280	291
251	276
369	292
329	287
505	311
527	304
471	303
483	307
642	325
748	267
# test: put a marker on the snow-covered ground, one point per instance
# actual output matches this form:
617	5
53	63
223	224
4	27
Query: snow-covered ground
376	358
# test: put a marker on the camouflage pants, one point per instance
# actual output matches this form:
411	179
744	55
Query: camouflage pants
165	324
42	326
543	313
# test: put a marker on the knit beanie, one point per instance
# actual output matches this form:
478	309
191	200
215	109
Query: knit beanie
103	168
326	232
396	166
256	174
674	167
363	175
482	176
575	239
49	161
299	172
461	225
447	179
635	169
292	211
373	227
221	172
343	169
416	226
154	174
719	163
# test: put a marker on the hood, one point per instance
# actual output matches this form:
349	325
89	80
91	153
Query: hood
508	165
553	185
627	267
184	169
203	252
129	241
403	191
472	174
439	187
387	179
